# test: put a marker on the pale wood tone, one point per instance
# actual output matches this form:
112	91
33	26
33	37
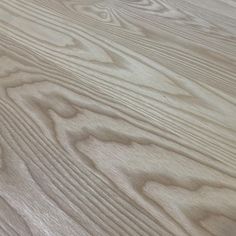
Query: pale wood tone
117	117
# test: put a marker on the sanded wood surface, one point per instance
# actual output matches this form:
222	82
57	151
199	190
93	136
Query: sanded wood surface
117	117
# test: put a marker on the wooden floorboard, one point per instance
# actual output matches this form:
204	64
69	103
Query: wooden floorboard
117	117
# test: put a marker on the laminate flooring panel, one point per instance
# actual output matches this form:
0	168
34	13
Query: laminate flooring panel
117	117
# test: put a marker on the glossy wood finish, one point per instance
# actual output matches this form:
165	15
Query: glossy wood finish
117	117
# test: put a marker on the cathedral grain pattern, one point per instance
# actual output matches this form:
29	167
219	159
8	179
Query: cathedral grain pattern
117	117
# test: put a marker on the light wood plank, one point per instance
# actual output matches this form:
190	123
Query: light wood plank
118	117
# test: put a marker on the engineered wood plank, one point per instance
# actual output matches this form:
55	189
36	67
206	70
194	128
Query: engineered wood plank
118	117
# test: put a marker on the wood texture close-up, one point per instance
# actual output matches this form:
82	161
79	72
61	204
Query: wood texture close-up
117	117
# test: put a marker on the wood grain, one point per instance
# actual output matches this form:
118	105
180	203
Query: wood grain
117	117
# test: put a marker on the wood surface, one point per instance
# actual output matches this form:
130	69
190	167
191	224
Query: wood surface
117	117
